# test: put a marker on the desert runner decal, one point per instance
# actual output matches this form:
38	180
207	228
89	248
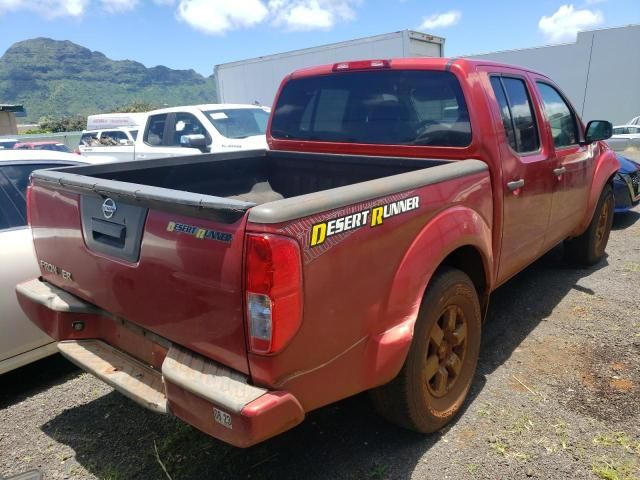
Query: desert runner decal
372	217
200	233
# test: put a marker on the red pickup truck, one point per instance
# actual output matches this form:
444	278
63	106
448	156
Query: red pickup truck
239	291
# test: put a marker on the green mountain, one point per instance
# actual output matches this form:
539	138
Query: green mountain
59	78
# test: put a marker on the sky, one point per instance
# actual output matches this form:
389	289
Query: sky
198	34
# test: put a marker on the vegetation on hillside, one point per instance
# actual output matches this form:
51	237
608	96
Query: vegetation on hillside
60	79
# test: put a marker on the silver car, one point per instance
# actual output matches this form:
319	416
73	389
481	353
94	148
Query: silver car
21	342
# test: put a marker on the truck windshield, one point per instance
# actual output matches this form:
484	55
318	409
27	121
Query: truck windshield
398	107
239	122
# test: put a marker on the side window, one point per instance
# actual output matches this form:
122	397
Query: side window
154	134
564	127
88	139
504	111
115	135
523	132
13	189
186	124
524	122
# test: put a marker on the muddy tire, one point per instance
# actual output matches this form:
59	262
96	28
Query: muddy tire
436	376
589	248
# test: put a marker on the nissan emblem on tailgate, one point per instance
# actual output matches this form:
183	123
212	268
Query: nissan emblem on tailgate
109	208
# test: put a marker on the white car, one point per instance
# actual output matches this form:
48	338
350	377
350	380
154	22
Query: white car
21	342
625	137
191	130
626	131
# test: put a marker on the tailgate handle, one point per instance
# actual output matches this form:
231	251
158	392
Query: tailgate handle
108	233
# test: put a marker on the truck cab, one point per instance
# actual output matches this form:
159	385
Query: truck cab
192	130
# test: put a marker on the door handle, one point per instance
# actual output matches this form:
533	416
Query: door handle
559	171
516	184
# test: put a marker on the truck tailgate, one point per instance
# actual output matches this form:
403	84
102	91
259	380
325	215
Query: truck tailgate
176	275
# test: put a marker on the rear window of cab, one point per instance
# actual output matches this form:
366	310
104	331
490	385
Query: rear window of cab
394	107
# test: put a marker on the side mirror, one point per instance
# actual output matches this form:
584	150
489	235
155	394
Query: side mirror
193	141
597	130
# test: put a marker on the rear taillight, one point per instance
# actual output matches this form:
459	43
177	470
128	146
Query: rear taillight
29	193
273	279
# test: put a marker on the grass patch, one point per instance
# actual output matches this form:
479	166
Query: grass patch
612	471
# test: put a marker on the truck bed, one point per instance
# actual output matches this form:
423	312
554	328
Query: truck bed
252	178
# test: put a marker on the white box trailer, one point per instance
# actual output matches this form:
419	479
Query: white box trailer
256	80
115	120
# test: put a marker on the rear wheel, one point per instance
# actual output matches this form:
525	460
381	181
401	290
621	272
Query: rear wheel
439	369
589	248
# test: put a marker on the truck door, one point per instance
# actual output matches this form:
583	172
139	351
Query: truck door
526	168
572	163
162	134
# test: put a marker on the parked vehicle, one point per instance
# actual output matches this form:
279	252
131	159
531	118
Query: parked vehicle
7	143
42	145
625	137
110	142
109	137
21	342
626	131
626	185
239	291
189	130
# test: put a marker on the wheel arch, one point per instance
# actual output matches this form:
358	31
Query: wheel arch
606	168
459	238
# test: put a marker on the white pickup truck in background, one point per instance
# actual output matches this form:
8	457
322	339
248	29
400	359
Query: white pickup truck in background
189	130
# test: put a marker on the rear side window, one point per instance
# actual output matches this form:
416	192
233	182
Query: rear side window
154	134
13	188
564	128
378	107
517	113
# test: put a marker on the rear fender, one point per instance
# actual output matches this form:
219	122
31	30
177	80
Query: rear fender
448	231
606	166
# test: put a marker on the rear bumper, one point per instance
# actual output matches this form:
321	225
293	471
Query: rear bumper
157	374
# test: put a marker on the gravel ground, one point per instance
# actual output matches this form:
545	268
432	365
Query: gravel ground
557	395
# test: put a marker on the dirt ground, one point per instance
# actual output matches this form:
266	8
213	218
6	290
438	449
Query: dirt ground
556	396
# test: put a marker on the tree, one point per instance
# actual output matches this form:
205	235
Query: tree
63	124
135	107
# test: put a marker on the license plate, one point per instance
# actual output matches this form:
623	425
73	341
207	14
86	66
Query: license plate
222	418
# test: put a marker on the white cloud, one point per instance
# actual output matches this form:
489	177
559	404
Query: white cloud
117	6
64	8
565	23
212	17
441	20
312	14
219	16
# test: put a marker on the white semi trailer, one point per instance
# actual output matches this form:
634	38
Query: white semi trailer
255	81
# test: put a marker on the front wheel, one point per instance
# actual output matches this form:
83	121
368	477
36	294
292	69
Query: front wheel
434	381
589	248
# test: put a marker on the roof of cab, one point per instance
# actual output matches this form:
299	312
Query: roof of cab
427	63
208	106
